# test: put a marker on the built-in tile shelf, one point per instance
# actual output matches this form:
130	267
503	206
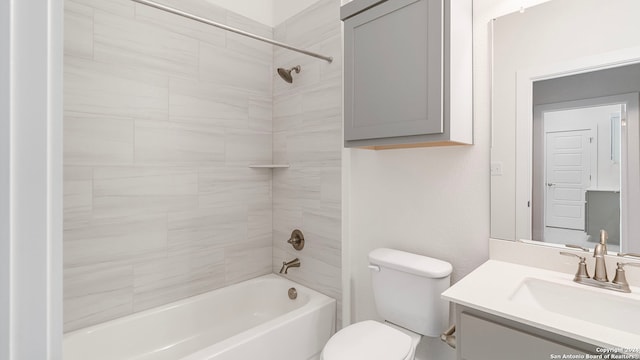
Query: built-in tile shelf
269	166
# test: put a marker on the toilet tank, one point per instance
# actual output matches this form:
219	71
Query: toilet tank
407	290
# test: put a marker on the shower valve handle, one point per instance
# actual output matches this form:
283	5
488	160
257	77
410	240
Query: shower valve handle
296	240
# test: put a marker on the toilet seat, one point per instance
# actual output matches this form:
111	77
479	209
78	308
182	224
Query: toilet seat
368	340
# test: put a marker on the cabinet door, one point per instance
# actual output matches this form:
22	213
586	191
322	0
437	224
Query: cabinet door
482	339
394	70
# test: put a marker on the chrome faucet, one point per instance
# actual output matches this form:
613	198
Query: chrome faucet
286	265
600	278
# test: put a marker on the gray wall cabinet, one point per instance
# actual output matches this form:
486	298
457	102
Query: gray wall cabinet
407	73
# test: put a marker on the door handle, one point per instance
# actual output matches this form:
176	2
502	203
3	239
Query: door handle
551	184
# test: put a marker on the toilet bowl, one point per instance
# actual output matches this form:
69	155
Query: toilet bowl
371	340
407	290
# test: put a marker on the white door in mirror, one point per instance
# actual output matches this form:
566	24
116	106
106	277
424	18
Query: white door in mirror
568	174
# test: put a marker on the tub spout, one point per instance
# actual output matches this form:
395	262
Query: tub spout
286	265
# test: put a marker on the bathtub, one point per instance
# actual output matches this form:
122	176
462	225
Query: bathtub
254	319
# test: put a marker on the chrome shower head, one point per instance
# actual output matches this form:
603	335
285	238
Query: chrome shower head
286	74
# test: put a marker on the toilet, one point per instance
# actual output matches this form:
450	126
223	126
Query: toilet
406	290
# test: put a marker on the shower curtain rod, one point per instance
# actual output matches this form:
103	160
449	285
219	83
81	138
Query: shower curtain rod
229	28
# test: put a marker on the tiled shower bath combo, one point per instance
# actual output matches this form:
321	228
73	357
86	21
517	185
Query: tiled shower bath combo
162	118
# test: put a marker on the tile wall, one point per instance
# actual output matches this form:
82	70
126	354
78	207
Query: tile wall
163	115
307	133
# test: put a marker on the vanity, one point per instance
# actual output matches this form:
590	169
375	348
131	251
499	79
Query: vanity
510	311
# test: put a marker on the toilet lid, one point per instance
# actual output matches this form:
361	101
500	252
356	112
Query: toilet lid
367	340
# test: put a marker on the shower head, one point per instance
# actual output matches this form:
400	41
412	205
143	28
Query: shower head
286	74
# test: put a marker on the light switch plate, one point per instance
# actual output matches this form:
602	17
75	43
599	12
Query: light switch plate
496	168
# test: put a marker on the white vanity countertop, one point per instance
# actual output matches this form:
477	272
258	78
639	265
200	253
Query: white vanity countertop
490	288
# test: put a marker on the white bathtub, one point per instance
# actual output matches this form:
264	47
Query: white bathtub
254	319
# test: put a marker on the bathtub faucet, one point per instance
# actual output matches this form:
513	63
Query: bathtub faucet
286	265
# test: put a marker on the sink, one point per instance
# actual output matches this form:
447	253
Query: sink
594	306
550	301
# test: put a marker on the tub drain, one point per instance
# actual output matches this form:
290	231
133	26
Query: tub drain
293	293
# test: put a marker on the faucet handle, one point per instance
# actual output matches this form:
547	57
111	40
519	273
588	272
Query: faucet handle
629	254
576	247
581	273
582	258
620	277
622	265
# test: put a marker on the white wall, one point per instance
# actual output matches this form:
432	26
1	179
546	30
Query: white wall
5	170
268	12
258	10
285	9
432	201
31	100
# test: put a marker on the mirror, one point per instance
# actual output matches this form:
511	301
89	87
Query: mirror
565	157
576	173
